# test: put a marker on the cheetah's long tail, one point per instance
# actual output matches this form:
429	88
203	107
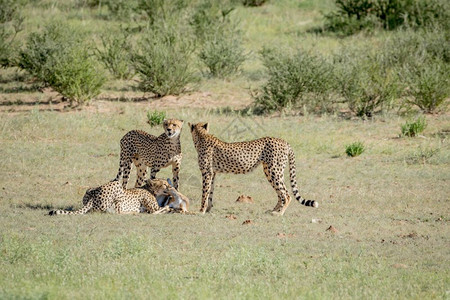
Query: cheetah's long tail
293	176
81	211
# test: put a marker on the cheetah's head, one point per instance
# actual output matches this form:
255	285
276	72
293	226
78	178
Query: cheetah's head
197	129
172	127
157	186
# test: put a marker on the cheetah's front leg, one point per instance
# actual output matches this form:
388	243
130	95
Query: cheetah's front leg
153	172
175	171
207	180
211	192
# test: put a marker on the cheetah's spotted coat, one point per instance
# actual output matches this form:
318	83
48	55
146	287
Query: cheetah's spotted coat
216	156
146	150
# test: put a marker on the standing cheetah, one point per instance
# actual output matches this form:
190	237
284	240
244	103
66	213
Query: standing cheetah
112	197
216	156
146	150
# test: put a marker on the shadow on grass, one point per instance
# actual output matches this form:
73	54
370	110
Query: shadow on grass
128	99
20	89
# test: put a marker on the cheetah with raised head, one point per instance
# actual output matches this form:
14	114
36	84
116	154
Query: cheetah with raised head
145	150
112	197
216	156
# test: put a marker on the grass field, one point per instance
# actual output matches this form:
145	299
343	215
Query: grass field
389	207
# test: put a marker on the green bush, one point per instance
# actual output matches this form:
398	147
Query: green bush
355	149
352	16
155	118
163	61
10	24
366	83
122	9
43	48
414	128
223	54
161	9
369	88
292	77
211	17
116	55
415	46
428	85
76	76
60	58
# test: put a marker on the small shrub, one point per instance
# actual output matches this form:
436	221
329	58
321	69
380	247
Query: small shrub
116	55
352	16
10	24
414	128
76	76
161	9
223	54
60	58
42	48
366	84
163	61
122	9
428	85
155	118
354	149
292	77
211	17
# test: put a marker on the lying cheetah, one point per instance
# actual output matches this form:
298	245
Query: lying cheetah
146	150
216	156
112	197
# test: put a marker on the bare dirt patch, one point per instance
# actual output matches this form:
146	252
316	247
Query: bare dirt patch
110	101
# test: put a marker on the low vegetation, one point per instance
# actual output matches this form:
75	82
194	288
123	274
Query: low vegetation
414	128
399	63
355	149
60	57
155	118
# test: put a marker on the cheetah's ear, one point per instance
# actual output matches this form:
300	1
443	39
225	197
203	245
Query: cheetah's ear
191	126
206	126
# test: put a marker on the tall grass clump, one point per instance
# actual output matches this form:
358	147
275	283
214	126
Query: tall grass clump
294	79
155	118
60	58
351	16
355	149
116	55
163	61
413	128
10	24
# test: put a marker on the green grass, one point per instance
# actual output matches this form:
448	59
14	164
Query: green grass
355	149
392	216
390	206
